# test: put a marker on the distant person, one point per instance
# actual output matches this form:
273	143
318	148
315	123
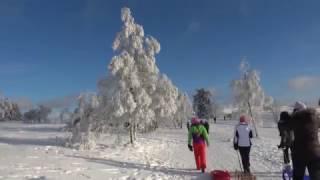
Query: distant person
188	125
306	147
199	137
242	142
215	119
286	134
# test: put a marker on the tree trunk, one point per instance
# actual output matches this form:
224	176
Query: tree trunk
131	134
134	131
174	123
253	121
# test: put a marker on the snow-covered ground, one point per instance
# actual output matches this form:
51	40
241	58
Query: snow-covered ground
35	151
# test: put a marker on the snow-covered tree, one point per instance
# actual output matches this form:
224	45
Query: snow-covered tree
249	96
184	111
202	105
215	108
274	107
9	110
82	136
44	112
135	97
65	115
38	115
31	116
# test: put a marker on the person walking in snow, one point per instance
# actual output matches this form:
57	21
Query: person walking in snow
306	147
286	135
242	142
198	136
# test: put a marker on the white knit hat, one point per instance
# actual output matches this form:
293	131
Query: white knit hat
299	106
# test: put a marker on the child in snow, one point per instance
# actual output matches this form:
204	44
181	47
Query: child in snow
242	142
286	134
199	136
306	147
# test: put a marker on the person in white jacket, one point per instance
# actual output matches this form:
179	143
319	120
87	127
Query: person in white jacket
242	142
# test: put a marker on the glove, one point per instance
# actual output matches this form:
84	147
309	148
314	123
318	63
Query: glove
281	145
190	147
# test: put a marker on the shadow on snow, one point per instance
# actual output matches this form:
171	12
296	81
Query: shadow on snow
165	170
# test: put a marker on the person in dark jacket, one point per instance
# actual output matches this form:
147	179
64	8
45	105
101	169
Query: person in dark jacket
286	135
306	147
242	142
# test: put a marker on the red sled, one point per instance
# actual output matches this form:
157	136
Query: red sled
220	175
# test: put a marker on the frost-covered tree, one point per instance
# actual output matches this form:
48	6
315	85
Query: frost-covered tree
215	108
184	111
135	97
44	112
202	104
248	94
65	115
274	107
9	110
82	136
31	116
38	115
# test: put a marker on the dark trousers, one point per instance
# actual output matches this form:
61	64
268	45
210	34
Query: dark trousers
244	153
299	167
286	156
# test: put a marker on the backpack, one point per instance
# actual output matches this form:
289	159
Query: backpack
205	124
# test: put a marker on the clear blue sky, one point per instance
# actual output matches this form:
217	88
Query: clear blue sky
51	49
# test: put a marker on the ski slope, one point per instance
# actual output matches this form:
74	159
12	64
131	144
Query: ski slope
36	151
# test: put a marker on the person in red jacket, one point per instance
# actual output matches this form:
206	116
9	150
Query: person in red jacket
198	136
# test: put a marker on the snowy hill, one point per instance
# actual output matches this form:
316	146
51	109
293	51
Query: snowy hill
35	151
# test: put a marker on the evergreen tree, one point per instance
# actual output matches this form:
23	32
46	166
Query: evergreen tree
202	105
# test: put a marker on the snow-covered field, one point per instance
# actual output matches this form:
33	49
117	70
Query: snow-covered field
35	151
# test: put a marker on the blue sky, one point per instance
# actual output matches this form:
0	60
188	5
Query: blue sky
55	49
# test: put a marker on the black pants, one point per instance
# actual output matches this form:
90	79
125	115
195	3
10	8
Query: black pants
244	152
286	156
299	167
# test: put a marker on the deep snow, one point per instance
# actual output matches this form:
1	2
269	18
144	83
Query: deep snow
36	151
